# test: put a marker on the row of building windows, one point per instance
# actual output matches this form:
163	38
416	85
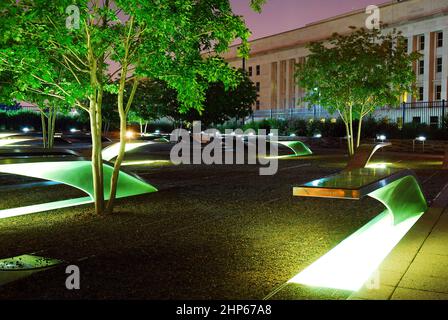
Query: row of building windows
439	41
439	66
257	70
437	93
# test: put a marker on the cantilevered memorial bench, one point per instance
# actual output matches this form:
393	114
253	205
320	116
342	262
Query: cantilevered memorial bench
65	167
351	263
299	148
364	153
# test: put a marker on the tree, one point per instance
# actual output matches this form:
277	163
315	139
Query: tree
356	73
157	39
222	104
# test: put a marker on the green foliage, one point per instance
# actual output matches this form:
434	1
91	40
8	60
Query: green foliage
221	103
354	74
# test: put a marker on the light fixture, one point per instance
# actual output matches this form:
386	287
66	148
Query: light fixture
381	137
421	139
129	134
25	129
318	136
73	130
292	135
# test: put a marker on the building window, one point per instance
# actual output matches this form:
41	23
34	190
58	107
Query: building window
257	105
421	94
438	92
258	86
421	67
417	120
406	43
439	39
439	64
422	43
258	70
434	122
250	71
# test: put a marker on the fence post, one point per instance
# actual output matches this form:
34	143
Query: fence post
404	113
443	113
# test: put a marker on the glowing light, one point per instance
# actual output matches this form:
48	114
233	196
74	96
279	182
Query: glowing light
112	151
77	174
129	134
421	139
351	263
377	166
292	135
157	132
382	137
73	130
318	136
26	130
6	135
298	147
7	142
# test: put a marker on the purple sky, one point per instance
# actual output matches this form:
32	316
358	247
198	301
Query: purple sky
283	15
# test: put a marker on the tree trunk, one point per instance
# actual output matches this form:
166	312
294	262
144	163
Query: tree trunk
146	127
97	161
352	139
358	141
44	128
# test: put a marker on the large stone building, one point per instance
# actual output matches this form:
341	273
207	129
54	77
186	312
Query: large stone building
273	59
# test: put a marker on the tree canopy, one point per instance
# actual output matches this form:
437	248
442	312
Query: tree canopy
356	73
156	39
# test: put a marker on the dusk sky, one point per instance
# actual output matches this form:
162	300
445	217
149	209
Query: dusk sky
283	15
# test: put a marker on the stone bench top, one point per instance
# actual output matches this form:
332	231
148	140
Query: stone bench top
353	184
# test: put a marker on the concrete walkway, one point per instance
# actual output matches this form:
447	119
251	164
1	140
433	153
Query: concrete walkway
417	268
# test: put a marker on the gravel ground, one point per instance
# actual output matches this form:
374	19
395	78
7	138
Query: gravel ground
211	232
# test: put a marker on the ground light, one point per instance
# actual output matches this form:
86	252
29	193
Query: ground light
351	263
26	130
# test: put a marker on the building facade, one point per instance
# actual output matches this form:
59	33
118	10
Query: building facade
273	59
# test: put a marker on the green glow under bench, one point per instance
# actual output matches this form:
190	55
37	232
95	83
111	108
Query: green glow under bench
72	171
352	262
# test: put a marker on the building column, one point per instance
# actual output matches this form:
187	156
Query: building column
279	92
427	82
445	65
287	74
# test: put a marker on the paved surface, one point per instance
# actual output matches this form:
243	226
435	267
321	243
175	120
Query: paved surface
417	268
210	233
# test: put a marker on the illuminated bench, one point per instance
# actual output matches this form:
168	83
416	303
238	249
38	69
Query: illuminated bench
363	155
70	170
296	146
351	263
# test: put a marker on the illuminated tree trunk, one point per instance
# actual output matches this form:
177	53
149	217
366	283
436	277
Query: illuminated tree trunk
358	141
123	113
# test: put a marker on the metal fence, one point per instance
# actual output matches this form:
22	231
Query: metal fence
431	113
